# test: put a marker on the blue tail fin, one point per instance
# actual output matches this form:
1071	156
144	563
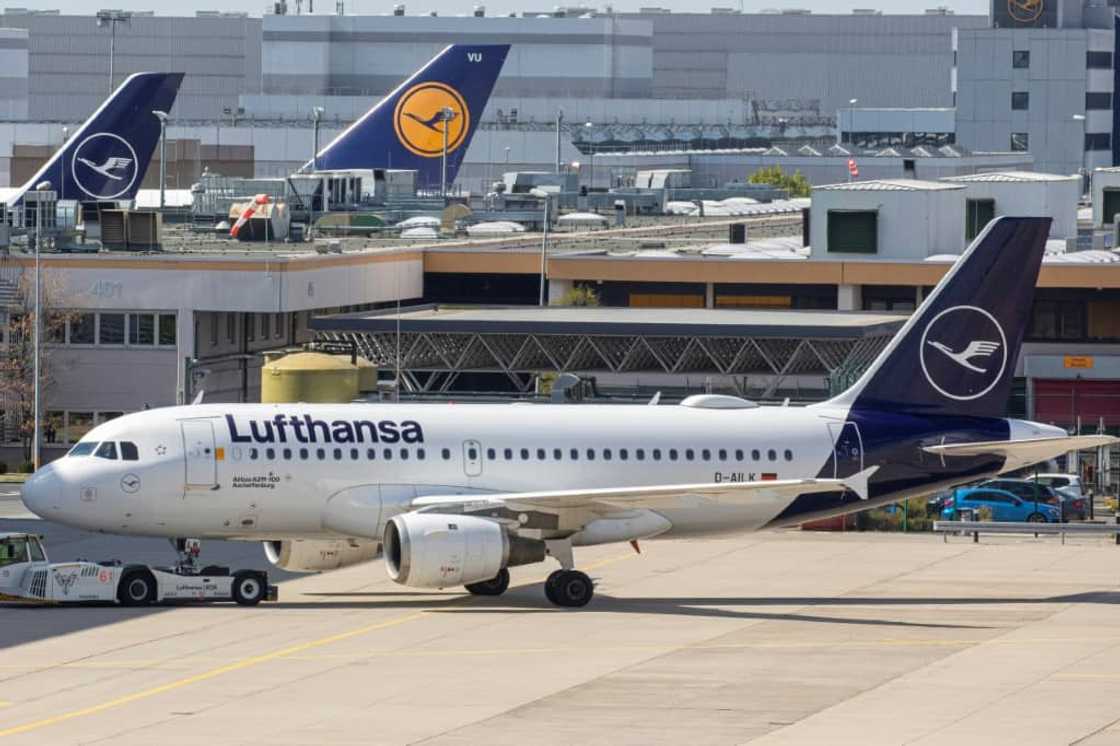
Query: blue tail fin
405	129
107	157
957	353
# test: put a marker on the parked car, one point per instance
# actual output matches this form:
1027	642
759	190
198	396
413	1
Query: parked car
1068	486
1028	490
1005	506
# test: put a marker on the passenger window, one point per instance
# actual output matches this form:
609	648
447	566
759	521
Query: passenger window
371	453
270	453
508	453
574	453
524	454
606	454
706	455
590	454
688	454
557	454
303	453
656	454
404	454
108	450
491	454
672	454
738	454
623	454
472	453
540	454
420	453
387	454
253	454
321	453
722	454
640	454
338	454
287	454
788	455
129	451
354	454
772	455
755	455
446	454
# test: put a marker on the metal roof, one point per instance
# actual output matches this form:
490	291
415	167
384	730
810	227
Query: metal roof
718	322
1010	177
889	185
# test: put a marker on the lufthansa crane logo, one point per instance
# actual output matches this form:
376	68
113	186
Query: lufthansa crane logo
963	352
1024	11
104	166
425	112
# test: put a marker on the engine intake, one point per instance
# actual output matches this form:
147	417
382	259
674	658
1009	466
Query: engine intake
319	556
432	550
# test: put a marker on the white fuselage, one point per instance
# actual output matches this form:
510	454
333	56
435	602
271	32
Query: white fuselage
260	480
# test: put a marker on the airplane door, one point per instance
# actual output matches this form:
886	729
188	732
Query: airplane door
472	458
201	456
847	449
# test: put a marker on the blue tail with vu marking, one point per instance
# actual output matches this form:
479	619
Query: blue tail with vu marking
107	157
408	128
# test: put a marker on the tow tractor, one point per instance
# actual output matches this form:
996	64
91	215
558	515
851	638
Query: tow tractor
27	576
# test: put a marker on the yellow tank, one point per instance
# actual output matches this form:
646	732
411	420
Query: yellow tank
308	377
367	373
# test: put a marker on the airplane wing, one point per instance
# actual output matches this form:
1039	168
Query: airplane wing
1036	449
659	496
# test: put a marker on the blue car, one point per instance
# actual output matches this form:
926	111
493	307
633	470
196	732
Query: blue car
1004	505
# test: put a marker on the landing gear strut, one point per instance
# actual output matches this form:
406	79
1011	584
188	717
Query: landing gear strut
567	586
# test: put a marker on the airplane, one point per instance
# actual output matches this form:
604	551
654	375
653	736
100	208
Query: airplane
401	130
107	157
456	494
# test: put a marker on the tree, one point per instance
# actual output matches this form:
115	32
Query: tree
795	185
17	362
580	295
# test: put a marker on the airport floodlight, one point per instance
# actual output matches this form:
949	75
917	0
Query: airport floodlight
43	186
111	18
1079	117
853	101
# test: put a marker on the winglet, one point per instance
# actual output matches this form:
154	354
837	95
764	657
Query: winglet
857	483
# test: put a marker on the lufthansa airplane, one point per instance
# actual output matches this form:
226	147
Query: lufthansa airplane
107	157
441	103
454	494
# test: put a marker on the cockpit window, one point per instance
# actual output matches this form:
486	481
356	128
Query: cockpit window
84	448
108	450
129	452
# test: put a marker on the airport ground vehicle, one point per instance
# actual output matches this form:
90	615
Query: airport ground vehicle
27	576
1005	506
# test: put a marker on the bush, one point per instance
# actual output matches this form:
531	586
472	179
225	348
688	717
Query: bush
3	468
27	467
884	519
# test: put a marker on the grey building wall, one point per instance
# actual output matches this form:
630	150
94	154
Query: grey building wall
887	60
13	74
1056	82
69	60
369	55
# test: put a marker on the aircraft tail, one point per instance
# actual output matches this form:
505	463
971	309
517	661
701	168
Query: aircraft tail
405	130
107	157
956	355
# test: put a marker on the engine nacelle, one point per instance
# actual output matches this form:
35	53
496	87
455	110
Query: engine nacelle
297	555
433	550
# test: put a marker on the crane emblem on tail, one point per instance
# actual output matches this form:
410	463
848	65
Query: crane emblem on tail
975	348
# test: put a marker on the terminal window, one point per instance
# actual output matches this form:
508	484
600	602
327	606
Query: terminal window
1020	142
1098	141
1020	100
853	231
1098	60
1098	100
1021	59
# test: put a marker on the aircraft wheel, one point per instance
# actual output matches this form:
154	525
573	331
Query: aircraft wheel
496	586
248	588
137	588
550	586
572	589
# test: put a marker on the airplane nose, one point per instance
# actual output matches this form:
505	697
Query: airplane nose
41	492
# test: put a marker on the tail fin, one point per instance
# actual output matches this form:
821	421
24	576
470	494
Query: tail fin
405	129
957	353
107	157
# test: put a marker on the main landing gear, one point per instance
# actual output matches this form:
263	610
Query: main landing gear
566	587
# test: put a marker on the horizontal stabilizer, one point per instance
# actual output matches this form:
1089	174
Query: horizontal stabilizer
1025	451
658	496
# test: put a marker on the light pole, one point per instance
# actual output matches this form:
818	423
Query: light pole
1084	169
559	123
851	104
316	118
112	18
162	117
544	246
591	150
446	114
40	188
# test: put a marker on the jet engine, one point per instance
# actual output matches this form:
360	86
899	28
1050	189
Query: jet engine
297	555
430	550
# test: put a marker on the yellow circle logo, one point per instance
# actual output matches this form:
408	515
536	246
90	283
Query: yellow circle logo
425	112
1024	11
